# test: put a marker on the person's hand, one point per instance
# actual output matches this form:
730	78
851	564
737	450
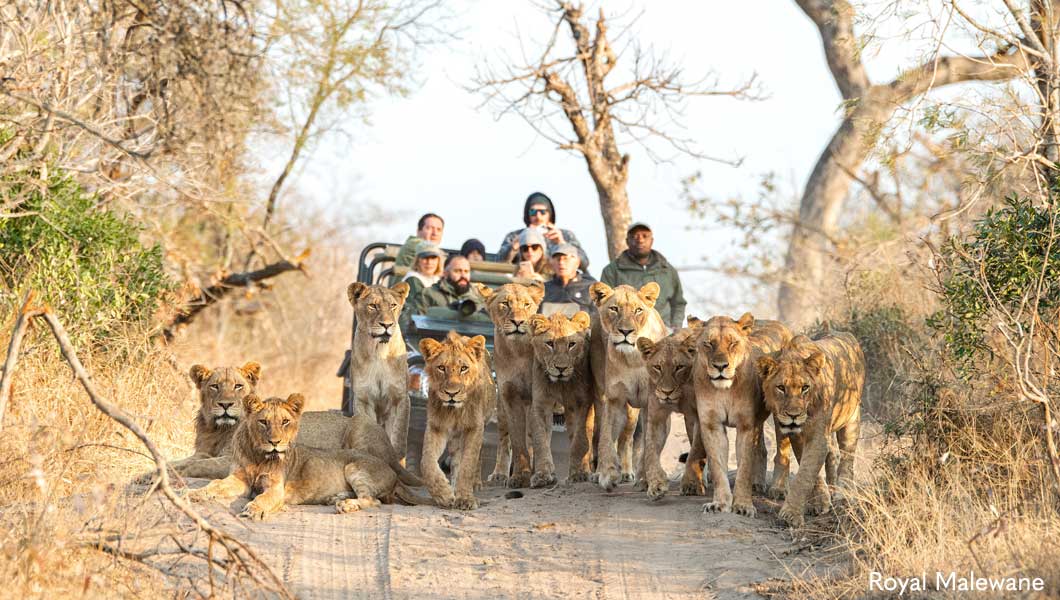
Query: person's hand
553	234
526	269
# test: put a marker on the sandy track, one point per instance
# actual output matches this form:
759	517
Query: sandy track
563	542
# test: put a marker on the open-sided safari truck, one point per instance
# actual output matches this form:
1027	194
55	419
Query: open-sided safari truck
376	266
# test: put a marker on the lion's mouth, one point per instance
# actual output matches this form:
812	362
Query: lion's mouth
224	420
275	454
383	338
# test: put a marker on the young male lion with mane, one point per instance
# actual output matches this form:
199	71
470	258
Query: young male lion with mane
275	471
461	398
729	394
813	388
561	373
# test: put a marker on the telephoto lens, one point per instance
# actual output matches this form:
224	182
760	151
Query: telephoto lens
467	307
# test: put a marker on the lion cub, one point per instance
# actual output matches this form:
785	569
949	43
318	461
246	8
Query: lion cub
670	362
813	388
461	397
275	471
561	372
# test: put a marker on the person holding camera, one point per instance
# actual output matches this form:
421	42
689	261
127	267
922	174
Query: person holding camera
540	214
454	291
531	261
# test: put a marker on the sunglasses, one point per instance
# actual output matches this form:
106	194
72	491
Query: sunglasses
537	211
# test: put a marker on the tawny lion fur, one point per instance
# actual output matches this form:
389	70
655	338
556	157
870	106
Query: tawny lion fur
813	389
275	471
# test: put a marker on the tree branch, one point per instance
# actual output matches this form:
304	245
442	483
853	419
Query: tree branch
835	21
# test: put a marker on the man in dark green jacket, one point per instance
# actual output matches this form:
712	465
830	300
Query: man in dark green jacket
639	264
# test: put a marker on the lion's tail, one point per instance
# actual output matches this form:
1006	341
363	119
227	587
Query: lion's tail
410	498
405	476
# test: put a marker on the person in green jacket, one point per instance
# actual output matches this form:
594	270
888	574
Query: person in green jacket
639	264
451	291
429	231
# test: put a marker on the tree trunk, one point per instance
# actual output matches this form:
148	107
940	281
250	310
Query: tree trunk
614	207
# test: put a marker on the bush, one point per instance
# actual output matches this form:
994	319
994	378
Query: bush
87	262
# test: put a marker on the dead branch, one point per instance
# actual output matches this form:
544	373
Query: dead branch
219	290
26	312
243	560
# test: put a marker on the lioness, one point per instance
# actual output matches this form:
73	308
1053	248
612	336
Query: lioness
269	466
378	361
670	363
460	399
813	388
729	394
624	315
510	308
561	373
221	393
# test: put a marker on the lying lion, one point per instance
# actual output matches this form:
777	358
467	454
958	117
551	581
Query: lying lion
813	388
275	471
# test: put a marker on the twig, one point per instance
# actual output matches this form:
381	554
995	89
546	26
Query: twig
25	314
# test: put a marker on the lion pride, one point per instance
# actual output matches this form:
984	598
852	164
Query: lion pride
813	389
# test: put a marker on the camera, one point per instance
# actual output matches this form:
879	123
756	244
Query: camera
466	308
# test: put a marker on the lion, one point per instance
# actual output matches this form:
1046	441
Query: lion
378	360
729	394
510	307
276	471
461	398
561	373
670	362
813	389
624	315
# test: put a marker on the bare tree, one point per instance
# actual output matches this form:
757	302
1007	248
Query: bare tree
1008	54
573	81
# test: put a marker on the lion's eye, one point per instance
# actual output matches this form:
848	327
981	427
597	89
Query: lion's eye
638	311
805	388
656	368
393	305
780	389
550	345
463	369
613	309
679	368
239	386
441	368
215	386
286	422
373	306
527	305
504	305
571	345
264	424
707	346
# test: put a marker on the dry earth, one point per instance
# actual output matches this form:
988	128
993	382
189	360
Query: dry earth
564	542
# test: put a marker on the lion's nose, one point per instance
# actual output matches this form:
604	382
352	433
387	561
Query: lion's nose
452	395
625	332
225	405
721	366
274	442
518	324
387	326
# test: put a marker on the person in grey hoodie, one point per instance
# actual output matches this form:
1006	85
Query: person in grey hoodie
639	264
539	213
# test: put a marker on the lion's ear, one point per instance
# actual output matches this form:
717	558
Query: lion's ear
355	291
814	362
477	346
199	374
252	403
688	345
252	371
581	319
649	293
430	348
746	322
694	322
766	367
485	291
600	292
646	346
295	402
537	291
538	324
401	289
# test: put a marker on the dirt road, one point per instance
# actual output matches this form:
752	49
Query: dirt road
564	542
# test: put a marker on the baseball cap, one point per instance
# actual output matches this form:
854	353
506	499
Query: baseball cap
565	248
637	225
530	237
430	250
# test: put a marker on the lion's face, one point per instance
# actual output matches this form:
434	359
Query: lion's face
454	367
273	424
790	382
723	346
221	391
669	362
560	344
624	312
377	308
511	306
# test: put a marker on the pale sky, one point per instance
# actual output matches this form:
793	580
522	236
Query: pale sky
438	151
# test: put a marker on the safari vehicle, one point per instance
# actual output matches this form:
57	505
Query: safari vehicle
376	266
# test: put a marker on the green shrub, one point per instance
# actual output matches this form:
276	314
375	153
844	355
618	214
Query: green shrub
85	261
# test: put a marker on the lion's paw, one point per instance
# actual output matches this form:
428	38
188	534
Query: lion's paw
657	489
693	488
608	480
201	495
628	477
745	508
717	506
791	516
254	512
759	487
777	491
579	476
821	504
594	477
465	503
519	480
540	480
350	505
497	480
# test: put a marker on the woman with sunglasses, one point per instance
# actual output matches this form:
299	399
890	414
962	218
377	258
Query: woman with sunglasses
540	214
